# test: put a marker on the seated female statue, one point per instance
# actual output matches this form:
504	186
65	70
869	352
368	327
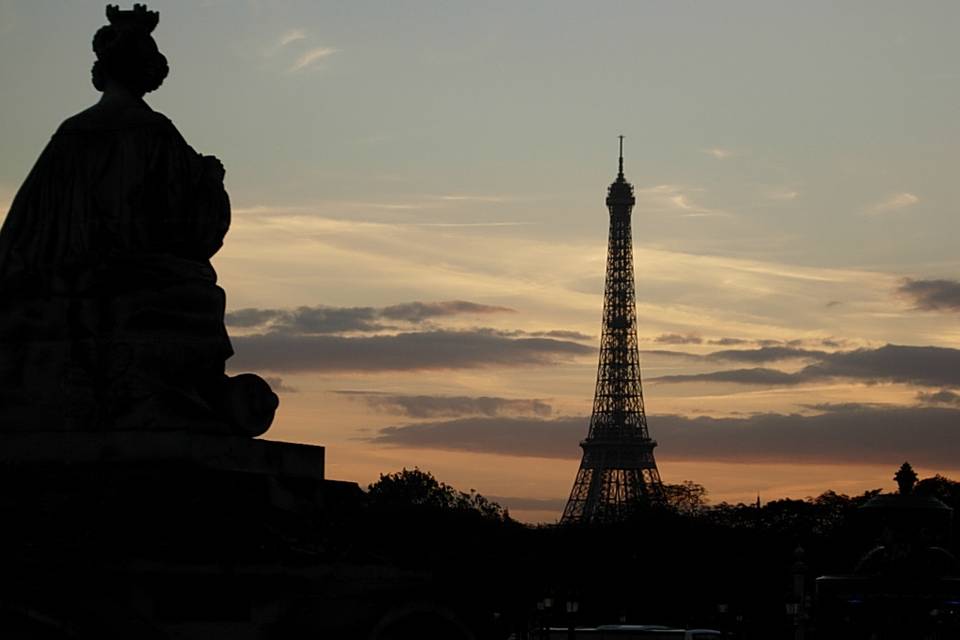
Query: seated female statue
110	316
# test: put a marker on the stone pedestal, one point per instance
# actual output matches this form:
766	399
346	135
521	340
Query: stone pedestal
155	534
71	450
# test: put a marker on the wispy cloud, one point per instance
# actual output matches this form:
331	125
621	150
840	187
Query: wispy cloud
420	311
760	376
501	223
895	202
294	40
674	198
561	334
279	386
424	406
472	198
311	57
676	338
281	249
783	194
753	356
291	36
286	39
425	202
729	342
718	153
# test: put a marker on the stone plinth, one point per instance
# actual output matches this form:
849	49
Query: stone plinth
223	453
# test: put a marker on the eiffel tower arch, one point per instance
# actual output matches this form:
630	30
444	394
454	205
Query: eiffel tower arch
618	473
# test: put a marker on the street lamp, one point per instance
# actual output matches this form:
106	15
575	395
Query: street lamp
572	607
543	608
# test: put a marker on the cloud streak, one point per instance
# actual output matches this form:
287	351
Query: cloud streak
756	376
894	203
426	406
718	153
754	356
673	198
766	354
675	338
291	36
420	311
279	386
310	58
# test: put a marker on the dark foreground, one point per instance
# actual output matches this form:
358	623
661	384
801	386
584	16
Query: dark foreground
168	535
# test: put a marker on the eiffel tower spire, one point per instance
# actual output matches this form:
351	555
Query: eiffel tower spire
618	472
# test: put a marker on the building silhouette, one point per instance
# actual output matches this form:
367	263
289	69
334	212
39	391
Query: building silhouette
618	472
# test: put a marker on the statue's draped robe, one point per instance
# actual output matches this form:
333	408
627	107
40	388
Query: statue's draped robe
110	317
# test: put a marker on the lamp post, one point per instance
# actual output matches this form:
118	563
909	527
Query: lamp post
799	570
541	607
543	611
722	609
547	605
572	607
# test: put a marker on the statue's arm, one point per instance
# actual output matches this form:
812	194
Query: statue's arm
207	205
213	206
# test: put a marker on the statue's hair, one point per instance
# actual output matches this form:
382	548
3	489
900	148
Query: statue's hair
128	56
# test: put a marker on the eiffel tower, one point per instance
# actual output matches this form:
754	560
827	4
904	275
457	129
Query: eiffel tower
617	473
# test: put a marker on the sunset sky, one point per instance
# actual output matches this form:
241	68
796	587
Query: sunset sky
417	250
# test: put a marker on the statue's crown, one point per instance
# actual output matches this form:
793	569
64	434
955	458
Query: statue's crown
137	18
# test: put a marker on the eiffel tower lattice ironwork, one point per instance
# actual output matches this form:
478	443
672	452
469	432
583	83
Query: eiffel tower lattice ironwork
618	472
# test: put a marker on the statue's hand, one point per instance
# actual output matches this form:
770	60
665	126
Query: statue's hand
249	403
214	167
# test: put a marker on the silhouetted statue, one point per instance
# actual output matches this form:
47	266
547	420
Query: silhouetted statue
110	316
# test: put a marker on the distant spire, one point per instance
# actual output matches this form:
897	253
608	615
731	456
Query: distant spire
620	174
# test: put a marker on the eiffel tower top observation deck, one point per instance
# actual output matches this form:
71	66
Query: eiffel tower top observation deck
618	472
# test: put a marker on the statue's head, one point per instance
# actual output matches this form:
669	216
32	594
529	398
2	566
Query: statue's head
127	53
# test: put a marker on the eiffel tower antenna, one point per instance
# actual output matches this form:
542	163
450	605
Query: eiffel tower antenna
620	173
618	473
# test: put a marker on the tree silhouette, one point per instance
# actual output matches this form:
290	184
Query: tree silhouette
687	498
942	488
419	488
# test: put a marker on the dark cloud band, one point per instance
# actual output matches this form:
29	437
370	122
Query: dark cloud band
932	295
328	320
843	434
922	366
